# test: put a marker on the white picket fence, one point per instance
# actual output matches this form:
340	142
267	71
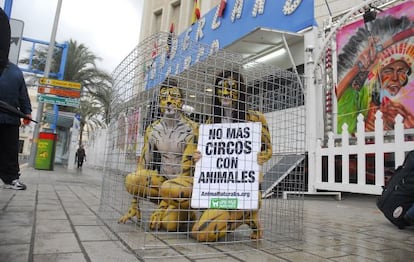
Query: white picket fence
380	142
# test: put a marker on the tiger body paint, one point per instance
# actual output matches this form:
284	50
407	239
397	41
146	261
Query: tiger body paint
229	107
169	144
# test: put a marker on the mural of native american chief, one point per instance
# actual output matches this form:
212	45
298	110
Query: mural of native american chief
375	65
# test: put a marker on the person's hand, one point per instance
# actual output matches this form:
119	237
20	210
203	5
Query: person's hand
26	121
368	56
261	158
196	156
390	109
372	43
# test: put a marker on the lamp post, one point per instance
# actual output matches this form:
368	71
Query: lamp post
39	114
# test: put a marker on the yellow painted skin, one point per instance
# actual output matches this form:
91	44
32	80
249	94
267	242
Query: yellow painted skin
216	223
175	191
213	218
173	137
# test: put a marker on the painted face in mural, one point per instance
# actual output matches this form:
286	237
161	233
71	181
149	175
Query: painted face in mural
394	76
227	92
170	100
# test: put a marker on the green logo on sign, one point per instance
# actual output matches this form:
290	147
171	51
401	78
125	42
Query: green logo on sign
223	203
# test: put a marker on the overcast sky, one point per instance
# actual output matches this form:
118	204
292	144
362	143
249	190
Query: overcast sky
109	28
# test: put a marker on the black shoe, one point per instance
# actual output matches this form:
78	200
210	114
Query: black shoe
16	185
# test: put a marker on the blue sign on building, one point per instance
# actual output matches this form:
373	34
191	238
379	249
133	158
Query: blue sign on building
216	31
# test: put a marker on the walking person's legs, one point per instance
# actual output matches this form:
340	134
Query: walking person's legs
80	163
9	157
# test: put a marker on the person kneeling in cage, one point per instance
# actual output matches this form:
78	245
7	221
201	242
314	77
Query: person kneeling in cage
166	158
229	106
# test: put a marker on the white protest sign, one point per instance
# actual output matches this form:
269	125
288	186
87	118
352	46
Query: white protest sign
227	175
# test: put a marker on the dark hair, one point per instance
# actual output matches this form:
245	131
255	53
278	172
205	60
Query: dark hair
169	82
239	114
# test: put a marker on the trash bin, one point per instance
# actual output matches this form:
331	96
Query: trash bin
45	154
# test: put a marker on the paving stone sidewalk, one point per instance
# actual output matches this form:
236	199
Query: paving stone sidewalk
57	219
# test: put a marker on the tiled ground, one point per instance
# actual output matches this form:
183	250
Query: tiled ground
58	219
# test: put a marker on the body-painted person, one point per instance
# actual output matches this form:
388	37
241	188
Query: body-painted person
230	107
169	144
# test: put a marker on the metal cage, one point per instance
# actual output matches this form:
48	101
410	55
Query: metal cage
277	94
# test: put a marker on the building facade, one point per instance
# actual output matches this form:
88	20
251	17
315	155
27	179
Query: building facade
159	14
309	50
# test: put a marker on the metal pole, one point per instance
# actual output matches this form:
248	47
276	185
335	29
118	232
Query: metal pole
39	114
7	7
292	61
